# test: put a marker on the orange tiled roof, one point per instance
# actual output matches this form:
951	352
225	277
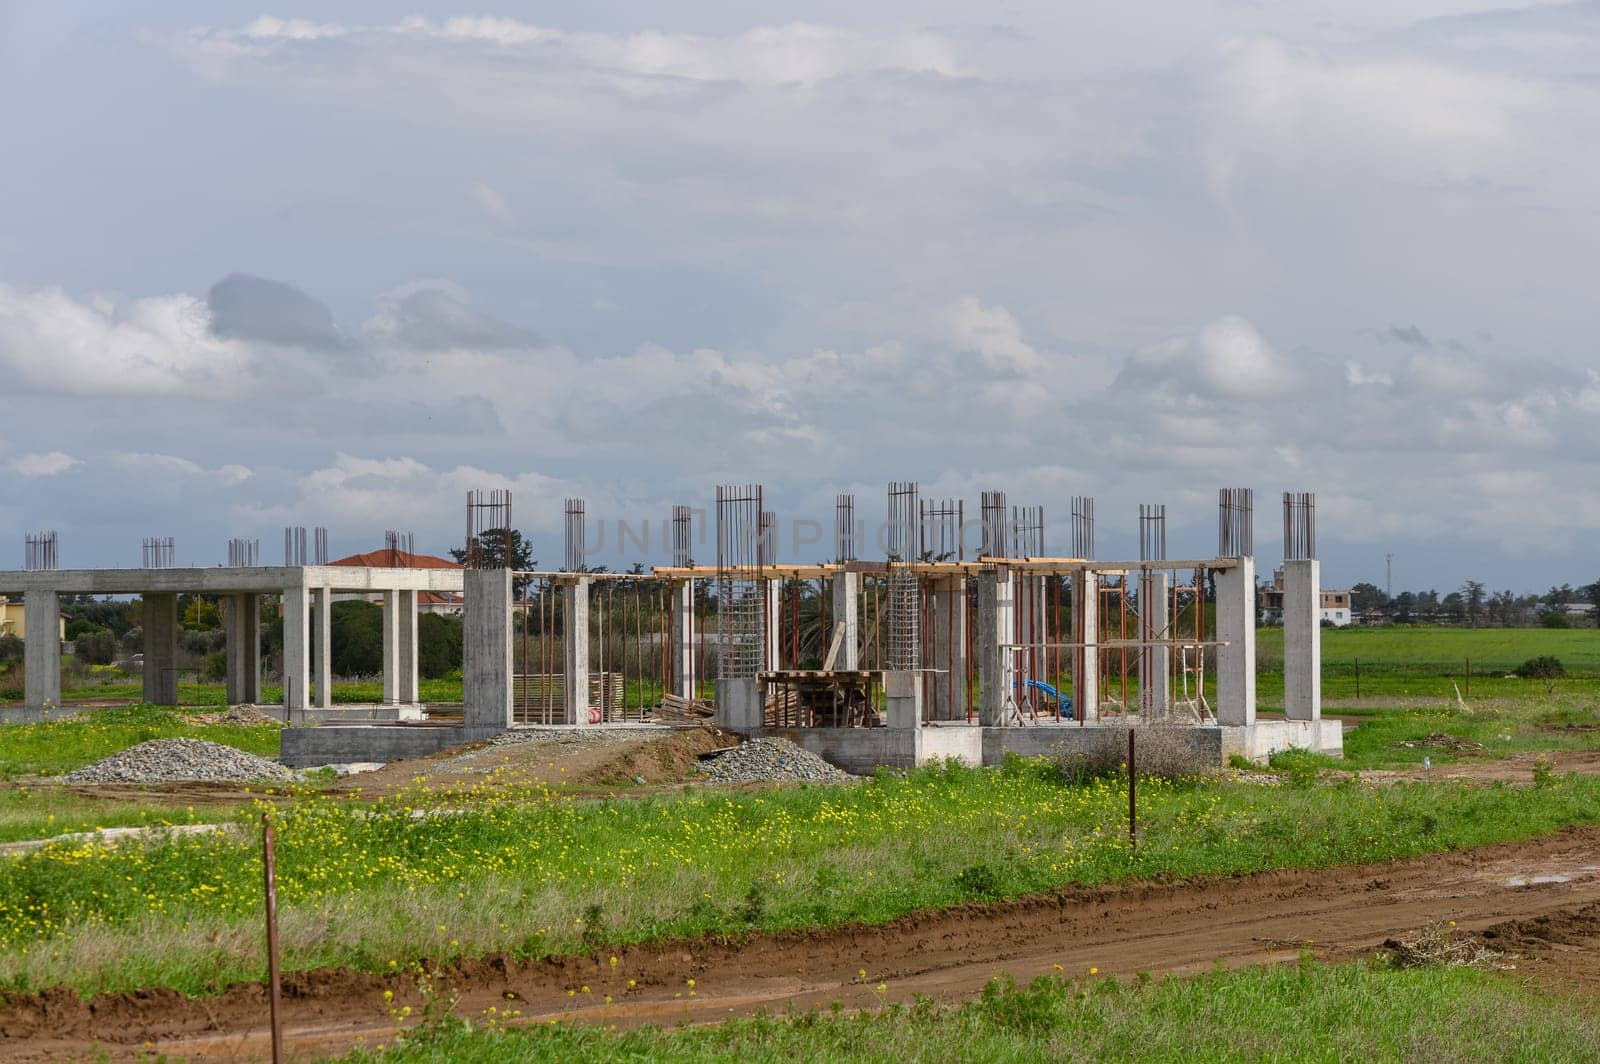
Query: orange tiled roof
397	559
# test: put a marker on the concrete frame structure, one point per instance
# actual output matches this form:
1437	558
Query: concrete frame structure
242	588
948	652
845	607
1155	657
575	688
684	680
1302	640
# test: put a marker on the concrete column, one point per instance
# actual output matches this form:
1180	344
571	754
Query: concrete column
159	617
902	692
41	655
575	688
409	691
1236	662
1154	661
1086	659
296	648
845	607
949	694
995	666
772	597
391	646
683	677
243	631
487	661
739	706
1302	640
323	606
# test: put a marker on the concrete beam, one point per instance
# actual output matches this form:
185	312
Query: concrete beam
1302	640
41	656
159	618
575	686
296	649
487	653
1086	659
846	607
224	580
1236	662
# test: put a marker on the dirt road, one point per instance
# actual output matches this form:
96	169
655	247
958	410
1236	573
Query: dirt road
1541	898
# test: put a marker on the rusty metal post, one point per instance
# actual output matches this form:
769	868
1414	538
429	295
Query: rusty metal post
269	864
1133	801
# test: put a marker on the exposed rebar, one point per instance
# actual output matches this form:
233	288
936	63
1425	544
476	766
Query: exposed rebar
1235	522
1082	526
994	524
244	553
39	551
682	531
1152	532
741	613
844	529
160	552
1299	526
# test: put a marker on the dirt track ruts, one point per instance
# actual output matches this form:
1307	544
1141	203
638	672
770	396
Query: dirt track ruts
1182	927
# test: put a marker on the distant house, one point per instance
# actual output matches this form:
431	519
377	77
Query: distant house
11	619
1335	603
441	602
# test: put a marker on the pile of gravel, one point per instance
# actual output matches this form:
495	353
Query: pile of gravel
588	736
181	761
769	760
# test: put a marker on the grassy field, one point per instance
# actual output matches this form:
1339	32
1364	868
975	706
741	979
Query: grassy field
59	746
536	874
1309	1012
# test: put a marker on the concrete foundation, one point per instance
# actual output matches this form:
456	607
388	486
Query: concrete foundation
1302	640
739	706
158	615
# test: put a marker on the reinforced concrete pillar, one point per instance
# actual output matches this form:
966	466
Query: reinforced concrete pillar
902	695
1086	657
408	690
1236	662
159	617
575	688
322	605
1154	661
772	623
739	706
1302	640
994	659
487	661
683	677
296	648
391	646
845	588
949	650
41	654
243	633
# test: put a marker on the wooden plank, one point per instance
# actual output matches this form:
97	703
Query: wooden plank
834	647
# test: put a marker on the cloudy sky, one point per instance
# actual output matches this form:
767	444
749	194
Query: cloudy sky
336	265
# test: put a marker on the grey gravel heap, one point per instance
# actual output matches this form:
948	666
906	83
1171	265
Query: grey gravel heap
588	736
769	760
181	761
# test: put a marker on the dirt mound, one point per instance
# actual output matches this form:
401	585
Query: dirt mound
1442	741
671	759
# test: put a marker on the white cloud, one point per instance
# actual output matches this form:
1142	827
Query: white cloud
994	334
270	27
493	203
158	345
1235	359
50	464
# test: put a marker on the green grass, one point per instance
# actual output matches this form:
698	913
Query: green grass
216	694
40	812
1305	1012
541	874
59	746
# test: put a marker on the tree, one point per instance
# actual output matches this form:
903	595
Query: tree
438	645
357	635
490	547
1591	592
1472	600
96	648
1368	598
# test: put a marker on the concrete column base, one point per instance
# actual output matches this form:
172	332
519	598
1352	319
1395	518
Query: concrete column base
739	706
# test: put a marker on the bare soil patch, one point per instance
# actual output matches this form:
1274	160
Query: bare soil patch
1539	898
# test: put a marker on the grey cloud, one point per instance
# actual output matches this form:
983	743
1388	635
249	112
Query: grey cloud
438	318
1409	334
245	307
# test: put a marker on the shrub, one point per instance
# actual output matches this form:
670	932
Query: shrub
97	647
1555	619
10	650
1545	667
